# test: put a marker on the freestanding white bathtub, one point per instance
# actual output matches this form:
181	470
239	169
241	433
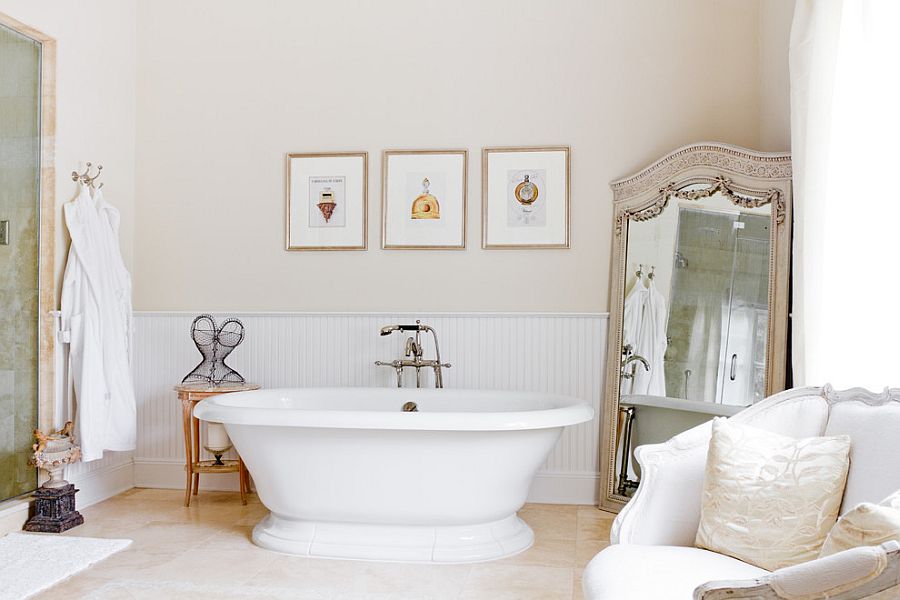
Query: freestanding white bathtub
347	474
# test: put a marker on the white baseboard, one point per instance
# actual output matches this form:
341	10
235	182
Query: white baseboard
169	475
564	488
101	484
13	514
547	488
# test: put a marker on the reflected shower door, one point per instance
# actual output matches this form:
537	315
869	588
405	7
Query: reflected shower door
742	375
704	253
718	317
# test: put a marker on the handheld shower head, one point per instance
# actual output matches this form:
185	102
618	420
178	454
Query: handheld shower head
389	329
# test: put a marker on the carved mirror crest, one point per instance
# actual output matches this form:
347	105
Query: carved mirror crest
698	298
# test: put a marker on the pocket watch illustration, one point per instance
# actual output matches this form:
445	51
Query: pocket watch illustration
426	206
326	203
527	193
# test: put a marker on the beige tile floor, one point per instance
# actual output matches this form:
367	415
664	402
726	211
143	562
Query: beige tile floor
205	552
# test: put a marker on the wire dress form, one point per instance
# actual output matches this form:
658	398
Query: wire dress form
215	344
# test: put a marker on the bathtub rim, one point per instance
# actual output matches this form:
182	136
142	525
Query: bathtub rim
569	411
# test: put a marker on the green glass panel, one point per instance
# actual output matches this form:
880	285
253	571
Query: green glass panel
20	154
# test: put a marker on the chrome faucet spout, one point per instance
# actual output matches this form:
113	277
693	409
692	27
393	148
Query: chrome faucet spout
629	358
638	358
413	349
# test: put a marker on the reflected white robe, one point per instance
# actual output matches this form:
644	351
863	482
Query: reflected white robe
652	344
96	311
632	318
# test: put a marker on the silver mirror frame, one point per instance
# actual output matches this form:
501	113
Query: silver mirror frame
749	179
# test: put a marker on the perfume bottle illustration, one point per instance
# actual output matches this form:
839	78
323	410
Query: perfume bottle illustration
326	203
426	206
527	193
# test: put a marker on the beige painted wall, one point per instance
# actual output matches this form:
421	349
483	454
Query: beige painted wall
95	103
225	91
774	76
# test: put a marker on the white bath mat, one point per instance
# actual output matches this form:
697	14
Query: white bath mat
32	562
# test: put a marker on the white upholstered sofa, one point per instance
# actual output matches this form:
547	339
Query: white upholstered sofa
652	557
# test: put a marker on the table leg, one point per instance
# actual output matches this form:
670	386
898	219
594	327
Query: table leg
242	481
196	424
247	479
188	458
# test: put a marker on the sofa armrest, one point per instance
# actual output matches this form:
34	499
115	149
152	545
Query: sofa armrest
665	509
850	575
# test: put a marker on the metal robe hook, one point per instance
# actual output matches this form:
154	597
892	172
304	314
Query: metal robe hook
86	178
97	176
76	176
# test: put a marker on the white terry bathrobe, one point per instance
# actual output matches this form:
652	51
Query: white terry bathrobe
96	311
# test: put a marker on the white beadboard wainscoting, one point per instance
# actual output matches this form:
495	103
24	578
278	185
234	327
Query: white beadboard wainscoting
559	353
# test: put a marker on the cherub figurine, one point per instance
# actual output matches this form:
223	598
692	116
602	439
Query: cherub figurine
41	441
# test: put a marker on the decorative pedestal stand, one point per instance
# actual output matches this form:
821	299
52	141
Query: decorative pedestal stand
54	502
190	394
54	510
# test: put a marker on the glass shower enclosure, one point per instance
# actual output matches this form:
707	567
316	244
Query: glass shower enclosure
20	171
718	315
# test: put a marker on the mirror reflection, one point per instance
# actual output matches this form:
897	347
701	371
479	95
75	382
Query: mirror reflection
695	318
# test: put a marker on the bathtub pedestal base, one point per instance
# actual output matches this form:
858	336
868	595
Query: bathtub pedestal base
403	543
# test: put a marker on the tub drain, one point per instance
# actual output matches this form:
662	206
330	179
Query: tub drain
410	407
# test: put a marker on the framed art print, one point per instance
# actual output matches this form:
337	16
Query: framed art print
423	199
525	197
327	201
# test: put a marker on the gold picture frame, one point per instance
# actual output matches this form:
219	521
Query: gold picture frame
360	216
391	238
491	196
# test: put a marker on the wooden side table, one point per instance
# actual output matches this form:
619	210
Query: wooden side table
190	394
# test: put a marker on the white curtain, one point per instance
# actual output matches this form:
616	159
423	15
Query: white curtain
845	133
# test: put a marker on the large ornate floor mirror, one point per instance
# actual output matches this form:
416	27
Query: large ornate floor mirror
698	298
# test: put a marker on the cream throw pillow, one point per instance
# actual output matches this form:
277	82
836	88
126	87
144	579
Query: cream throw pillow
866	525
768	499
